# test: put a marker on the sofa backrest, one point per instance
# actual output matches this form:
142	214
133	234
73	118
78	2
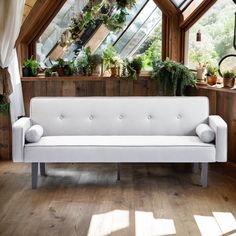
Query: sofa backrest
119	115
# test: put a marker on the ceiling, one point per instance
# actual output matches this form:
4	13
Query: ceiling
28	6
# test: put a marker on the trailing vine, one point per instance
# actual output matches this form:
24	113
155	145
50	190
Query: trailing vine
173	75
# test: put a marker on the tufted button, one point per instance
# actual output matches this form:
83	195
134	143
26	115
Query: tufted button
61	117
179	117
91	117
149	117
121	117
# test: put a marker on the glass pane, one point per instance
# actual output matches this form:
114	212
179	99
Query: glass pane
112	37
217	31
138	31
137	36
51	35
181	4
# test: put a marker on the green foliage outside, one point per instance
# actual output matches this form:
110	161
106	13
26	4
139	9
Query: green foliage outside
217	29
151	49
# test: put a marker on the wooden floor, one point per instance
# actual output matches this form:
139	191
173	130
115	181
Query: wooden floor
151	199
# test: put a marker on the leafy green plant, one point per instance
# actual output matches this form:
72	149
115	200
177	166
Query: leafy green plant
85	61
32	65
111	13
229	74
211	70
128	71
4	105
125	3
173	75
64	68
110	57
116	22
137	64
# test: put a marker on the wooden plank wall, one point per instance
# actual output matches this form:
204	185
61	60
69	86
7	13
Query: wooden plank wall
5	137
103	87
222	103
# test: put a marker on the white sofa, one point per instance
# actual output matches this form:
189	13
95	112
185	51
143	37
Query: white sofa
119	130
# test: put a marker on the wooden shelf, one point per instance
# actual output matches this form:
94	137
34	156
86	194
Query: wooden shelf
80	78
211	88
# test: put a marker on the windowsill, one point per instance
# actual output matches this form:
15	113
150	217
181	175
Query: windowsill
81	78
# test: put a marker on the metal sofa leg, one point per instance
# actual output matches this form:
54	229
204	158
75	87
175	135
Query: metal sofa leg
42	169
118	171
34	174
195	168
204	175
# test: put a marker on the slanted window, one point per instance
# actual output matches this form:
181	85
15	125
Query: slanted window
215	35
182	4
140	33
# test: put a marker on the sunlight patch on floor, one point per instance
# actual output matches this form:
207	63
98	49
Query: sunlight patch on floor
220	223
147	225
106	223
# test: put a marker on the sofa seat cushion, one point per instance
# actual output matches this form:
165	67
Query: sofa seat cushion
119	149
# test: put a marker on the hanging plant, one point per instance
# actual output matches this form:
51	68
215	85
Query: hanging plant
173	75
125	3
116	22
111	13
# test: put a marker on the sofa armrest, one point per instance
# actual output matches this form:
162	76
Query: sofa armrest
220	128
18	138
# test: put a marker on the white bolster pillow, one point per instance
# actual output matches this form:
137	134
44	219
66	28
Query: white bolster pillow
205	133
34	133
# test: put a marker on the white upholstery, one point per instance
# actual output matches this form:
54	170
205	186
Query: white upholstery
220	128
119	129
119	115
18	138
119	148
205	133
34	133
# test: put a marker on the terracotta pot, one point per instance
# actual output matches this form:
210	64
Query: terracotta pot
212	79
114	71
60	71
228	83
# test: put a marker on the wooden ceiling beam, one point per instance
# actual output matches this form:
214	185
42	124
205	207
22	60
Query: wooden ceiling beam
196	13
38	19
167	7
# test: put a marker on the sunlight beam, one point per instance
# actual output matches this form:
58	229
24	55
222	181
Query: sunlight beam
147	225
109	222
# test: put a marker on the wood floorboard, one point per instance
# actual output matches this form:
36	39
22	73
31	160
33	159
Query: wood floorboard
86	199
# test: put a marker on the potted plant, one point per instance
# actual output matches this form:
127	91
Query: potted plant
111	61
211	75
128	71
83	61
172	76
30	67
96	61
137	64
229	78
63	68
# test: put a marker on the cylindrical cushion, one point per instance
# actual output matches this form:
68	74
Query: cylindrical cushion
34	133
205	133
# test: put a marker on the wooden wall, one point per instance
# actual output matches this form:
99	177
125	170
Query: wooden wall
86	86
5	137
223	103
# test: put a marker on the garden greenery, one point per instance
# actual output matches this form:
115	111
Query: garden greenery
172	75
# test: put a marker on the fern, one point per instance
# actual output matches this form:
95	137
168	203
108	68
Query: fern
173	75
